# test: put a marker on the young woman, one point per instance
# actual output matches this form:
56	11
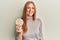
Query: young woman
32	27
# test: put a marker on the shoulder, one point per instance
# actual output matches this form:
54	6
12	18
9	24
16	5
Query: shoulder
38	19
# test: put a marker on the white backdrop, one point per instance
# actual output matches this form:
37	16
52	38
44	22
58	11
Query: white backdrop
47	10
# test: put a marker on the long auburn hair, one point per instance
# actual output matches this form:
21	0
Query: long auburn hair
24	17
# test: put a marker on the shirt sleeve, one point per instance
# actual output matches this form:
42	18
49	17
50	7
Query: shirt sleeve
40	35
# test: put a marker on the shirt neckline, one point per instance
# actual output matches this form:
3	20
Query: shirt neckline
28	18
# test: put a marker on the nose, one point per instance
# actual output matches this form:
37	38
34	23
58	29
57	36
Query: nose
30	9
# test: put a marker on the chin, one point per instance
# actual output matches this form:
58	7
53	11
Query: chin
31	15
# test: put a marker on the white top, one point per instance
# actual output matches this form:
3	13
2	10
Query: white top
34	30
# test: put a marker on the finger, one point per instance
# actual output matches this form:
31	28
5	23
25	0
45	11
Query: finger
18	24
18	30
17	27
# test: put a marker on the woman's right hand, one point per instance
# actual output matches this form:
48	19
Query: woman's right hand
20	32
19	28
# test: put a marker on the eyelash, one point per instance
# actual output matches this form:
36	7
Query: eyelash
32	8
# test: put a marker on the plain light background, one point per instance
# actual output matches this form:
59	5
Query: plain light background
47	10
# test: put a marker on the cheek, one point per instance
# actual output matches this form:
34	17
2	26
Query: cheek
33	10
27	10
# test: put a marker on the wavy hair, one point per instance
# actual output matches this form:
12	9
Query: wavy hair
24	17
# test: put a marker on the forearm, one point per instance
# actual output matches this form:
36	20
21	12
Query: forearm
19	36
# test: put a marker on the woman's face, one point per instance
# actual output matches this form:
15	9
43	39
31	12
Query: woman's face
30	9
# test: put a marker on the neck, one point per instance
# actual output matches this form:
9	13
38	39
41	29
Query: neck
29	17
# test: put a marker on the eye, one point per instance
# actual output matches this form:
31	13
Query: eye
33	8
28	7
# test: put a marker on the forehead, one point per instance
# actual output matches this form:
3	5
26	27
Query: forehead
30	4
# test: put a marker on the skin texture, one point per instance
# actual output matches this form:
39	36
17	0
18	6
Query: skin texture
30	12
30	9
